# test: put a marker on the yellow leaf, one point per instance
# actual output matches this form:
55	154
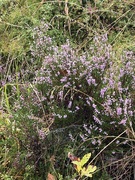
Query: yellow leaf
78	165
82	162
91	168
88	171
85	159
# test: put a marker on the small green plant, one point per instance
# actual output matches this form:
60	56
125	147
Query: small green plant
79	165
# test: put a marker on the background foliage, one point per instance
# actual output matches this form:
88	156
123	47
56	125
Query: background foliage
67	84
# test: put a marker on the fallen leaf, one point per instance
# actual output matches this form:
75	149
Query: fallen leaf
50	177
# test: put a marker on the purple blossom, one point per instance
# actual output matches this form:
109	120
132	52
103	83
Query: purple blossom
65	116
119	111
130	113
41	134
123	122
60	94
64	79
71	137
87	129
95	108
70	104
88	102
93	73
111	83
99	142
77	108
83	137
117	142
93	142
102	92
59	116
97	120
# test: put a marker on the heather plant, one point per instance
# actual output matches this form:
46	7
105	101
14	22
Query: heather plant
73	89
86	82
92	89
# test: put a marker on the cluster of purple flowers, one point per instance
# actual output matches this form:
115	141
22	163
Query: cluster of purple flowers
92	79
92	86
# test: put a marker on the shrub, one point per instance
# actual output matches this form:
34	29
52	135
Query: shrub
86	85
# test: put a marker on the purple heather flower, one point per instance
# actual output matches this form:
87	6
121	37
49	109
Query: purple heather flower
123	122
112	122
93	142
121	73
77	108
97	120
100	130
130	113
83	137
87	129
51	97
88	102
59	116
111	83
70	104
117	142
102	92
60	94
99	142
104	38
71	137
95	108
65	116
64	79
119	111
41	134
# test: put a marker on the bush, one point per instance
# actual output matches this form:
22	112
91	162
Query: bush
86	85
